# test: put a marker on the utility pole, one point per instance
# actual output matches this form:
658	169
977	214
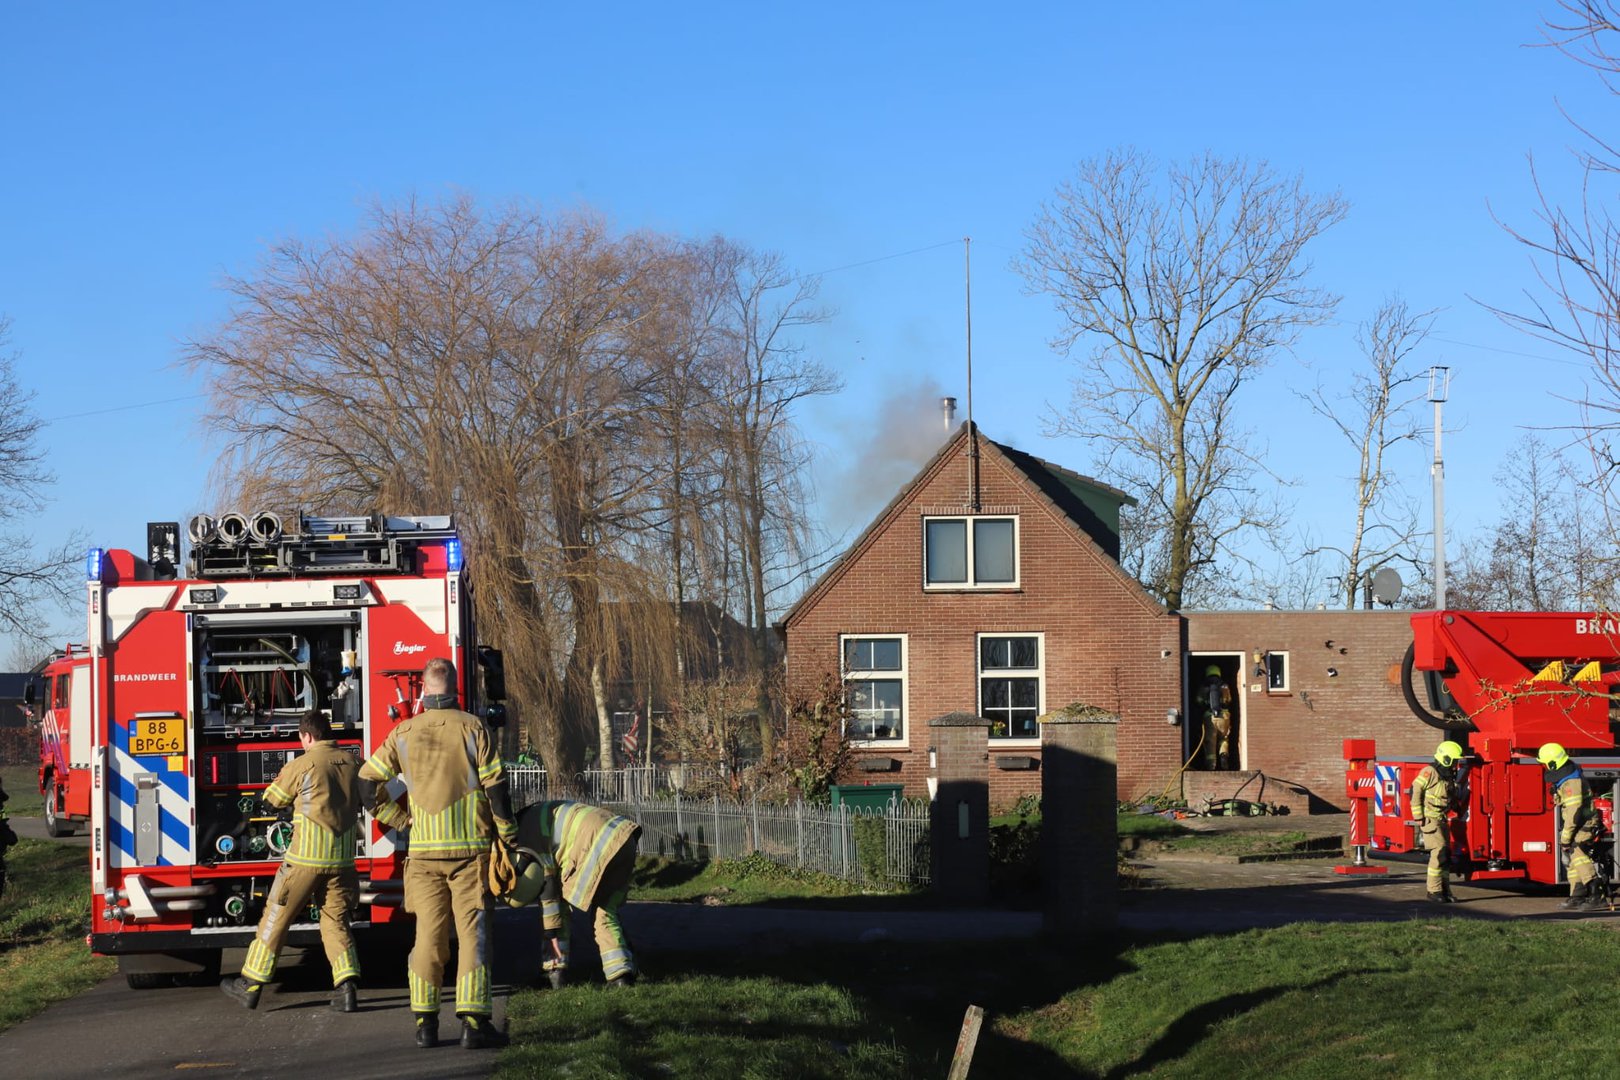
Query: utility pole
1439	384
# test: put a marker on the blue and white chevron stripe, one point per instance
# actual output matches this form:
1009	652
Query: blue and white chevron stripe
174	803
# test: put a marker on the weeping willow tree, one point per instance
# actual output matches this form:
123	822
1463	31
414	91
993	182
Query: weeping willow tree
526	371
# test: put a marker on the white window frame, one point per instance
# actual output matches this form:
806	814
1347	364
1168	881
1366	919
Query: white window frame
903	675
1038	673
970	584
1282	657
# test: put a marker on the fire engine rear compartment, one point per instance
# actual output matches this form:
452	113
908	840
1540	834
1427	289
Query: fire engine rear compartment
252	675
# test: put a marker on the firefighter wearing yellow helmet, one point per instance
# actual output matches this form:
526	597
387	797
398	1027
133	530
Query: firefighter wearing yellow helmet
1579	825
1215	700
1434	792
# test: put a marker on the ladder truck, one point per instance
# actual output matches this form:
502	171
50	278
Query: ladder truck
1501	684
183	704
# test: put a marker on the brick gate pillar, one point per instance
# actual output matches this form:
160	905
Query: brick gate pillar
959	754
1079	842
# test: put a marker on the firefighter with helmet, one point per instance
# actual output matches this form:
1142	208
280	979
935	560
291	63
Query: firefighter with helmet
1579	825
1434	791
1215	697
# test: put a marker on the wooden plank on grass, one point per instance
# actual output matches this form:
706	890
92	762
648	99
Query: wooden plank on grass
962	1060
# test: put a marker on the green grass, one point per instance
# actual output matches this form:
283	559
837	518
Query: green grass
22	786
752	879
1149	826
1424	998
43	917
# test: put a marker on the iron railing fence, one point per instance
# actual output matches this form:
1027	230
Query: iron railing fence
870	846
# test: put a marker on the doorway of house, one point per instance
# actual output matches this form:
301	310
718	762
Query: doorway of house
1213	733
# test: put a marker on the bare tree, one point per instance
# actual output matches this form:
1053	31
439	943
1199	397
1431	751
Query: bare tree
33	578
1173	296
1576	251
1374	419
1543	553
566	390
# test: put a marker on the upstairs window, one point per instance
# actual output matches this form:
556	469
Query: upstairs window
875	682
1010	678
970	552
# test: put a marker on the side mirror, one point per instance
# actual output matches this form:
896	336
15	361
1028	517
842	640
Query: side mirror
495	715
494	673
30	692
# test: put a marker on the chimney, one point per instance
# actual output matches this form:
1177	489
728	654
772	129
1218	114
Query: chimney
947	405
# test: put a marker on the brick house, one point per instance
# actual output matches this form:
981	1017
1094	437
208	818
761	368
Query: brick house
1004	598
991	585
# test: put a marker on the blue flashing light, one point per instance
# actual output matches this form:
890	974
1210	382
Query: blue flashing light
92	564
452	554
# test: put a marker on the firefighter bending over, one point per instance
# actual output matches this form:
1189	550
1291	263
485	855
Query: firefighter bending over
1579	826
586	857
1434	791
457	799
322	786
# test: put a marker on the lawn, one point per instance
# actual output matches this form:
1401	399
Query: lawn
43	918
1422	998
754	879
22	786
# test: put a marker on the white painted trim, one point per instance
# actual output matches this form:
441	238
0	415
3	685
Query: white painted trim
1038	671
970	585
904	675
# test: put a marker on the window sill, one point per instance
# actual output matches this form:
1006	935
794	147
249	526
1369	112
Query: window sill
1015	744
973	588
896	746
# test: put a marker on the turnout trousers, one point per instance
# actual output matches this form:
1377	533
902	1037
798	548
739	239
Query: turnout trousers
442	893
611	942
335	892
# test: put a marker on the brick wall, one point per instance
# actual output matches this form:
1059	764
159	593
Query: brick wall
1105	644
1296	737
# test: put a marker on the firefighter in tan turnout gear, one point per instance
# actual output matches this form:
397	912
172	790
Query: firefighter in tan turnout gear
587	856
456	797
1434	792
322	787
1579	825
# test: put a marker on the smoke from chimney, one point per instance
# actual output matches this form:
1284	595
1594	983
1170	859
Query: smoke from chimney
885	452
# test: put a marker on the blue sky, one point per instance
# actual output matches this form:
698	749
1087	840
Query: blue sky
152	149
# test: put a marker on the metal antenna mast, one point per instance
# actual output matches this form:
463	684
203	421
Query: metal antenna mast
973	432
1439	385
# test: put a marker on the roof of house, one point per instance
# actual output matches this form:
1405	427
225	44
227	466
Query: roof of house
12	684
1078	499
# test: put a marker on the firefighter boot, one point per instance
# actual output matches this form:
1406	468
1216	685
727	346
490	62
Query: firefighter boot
1579	895
555	978
346	996
1445	894
246	993
477	1032
427	1030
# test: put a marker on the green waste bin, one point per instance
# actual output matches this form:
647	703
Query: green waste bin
865	796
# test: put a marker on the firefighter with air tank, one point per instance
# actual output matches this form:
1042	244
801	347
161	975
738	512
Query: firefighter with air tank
1434	794
1579	826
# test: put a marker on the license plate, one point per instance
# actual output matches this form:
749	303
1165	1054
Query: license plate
157	735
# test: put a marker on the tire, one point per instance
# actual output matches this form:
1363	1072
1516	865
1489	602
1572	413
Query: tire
54	825
149	980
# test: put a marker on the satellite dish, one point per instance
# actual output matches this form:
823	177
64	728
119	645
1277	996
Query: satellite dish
1386	587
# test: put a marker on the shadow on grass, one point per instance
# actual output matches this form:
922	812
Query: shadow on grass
1194	1025
916	995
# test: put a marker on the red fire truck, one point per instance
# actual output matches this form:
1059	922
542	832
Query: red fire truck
1501	684
183	705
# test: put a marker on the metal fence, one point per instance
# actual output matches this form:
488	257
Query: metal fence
880	846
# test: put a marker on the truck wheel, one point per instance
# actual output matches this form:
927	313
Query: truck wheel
54	825
149	980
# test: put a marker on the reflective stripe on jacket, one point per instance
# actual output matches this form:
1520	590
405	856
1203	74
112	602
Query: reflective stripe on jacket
446	761
322	787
